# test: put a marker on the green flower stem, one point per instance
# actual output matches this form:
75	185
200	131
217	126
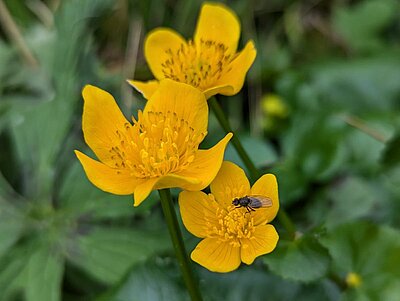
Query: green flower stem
283	217
177	241
223	121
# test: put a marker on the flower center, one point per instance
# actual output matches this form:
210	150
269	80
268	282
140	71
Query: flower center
157	144
198	64
233	224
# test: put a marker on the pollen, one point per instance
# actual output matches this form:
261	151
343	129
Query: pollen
156	144
198	64
233	225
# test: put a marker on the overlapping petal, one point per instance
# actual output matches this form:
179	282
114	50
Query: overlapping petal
267	186
117	181
218	23
146	88
187	102
238	69
263	242
156	47
197	210
102	121
231	182
216	255
206	165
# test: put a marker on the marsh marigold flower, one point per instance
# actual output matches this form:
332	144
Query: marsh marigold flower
159	150
209	62
230	235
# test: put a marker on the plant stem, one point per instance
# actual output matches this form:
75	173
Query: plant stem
283	217
13	33
223	121
177	241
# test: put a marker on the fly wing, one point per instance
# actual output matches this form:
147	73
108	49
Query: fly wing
260	201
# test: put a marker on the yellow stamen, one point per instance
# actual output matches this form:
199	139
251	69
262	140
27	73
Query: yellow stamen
233	224
200	65
157	144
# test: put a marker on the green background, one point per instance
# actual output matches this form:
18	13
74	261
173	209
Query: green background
335	66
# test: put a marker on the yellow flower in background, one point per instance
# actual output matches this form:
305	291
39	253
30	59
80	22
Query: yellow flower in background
209	62
230	235
273	105
160	150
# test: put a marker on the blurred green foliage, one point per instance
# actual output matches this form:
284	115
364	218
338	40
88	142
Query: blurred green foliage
334	64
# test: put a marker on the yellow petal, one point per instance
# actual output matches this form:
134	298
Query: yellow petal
263	242
197	210
231	182
175	180
146	88
157	43
117	181
218	23
187	102
238	69
143	190
206	165
221	89
101	120
266	186
216	256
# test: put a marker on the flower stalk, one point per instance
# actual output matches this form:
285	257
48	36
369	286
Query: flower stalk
177	241
282	216
223	121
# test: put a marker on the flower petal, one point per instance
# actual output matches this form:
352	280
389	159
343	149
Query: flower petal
168	181
231	182
101	121
264	241
186	101
146	88
143	190
175	180
117	181
221	89
266	186
156	45
218	23
238	69
206	165
197	210
216	256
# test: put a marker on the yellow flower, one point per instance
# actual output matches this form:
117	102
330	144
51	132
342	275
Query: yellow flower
209	62
160	150
353	280
231	235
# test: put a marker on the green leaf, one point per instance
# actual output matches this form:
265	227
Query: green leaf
151	281
303	259
11	226
391	154
40	128
12	272
80	197
351	199
44	275
312	145
363	85
371	251
357	27
261	152
108	253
